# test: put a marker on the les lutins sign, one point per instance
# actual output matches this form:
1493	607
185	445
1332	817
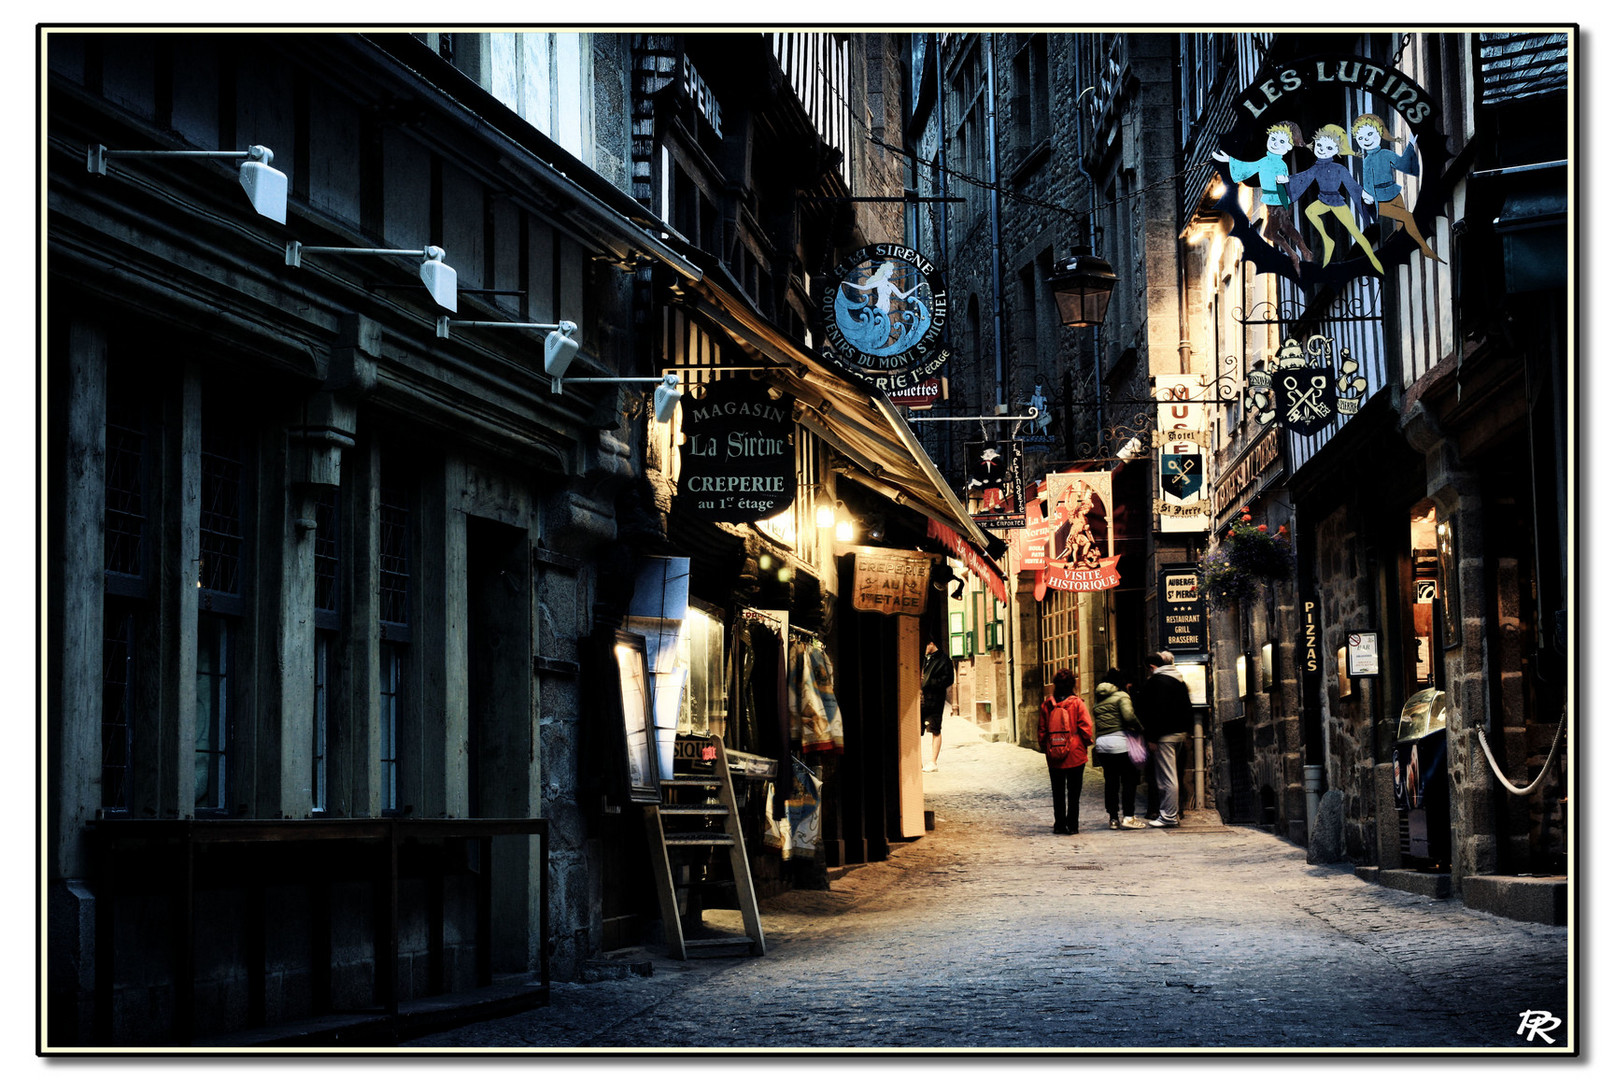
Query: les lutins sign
1333	181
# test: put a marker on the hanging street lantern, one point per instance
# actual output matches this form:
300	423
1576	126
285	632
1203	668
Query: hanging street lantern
1082	284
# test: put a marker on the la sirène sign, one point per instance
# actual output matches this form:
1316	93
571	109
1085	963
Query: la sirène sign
884	314
738	463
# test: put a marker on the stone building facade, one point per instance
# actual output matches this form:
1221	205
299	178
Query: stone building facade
1407	513
336	554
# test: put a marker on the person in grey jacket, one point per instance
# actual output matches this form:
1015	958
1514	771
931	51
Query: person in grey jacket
1113	717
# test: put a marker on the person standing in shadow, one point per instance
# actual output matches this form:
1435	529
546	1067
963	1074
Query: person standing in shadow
935	677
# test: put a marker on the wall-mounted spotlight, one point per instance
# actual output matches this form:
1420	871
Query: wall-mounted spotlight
559	349
265	186
438	276
560	345
663	398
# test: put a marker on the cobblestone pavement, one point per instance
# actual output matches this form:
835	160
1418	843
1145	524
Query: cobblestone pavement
990	932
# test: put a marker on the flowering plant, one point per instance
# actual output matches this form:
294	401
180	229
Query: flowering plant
1244	560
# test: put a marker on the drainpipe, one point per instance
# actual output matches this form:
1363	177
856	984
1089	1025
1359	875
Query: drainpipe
1088	228
999	373
946	438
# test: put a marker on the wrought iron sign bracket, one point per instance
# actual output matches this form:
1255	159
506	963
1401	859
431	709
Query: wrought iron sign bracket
1031	413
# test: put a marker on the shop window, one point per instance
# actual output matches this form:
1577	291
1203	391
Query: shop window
1423	544
704	709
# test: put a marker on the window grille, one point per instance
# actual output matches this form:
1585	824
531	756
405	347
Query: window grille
213	669
117	674
221	523
125	492
393	519
322	666
391	702
327	555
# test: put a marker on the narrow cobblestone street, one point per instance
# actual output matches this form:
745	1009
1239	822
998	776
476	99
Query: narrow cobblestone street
990	932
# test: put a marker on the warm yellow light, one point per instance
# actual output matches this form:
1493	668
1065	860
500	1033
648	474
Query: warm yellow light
845	531
824	515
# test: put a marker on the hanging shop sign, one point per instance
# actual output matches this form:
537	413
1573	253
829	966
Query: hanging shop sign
923	396
890	583
738	461
961	549
994	493
1082	541
884	317
700	96
1301	388
1042	433
1033	541
1260	465
1182	611
1182	421
1311	636
1330	178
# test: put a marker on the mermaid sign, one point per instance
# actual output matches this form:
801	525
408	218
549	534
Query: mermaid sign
884	320
1334	181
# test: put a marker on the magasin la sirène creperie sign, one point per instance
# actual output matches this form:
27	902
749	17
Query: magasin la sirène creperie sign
738	462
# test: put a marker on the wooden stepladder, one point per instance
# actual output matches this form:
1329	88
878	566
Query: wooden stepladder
697	814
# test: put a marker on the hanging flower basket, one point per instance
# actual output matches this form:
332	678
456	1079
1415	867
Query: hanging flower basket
1245	560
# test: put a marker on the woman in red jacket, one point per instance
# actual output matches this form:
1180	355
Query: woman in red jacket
1064	733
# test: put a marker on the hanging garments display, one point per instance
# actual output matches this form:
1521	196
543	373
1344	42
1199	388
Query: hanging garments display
815	715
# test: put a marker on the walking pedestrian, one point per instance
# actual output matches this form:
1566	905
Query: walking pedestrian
1064	733
935	678
1113	719
1163	705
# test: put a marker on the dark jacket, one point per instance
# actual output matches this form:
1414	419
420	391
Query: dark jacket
937	676
1163	704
